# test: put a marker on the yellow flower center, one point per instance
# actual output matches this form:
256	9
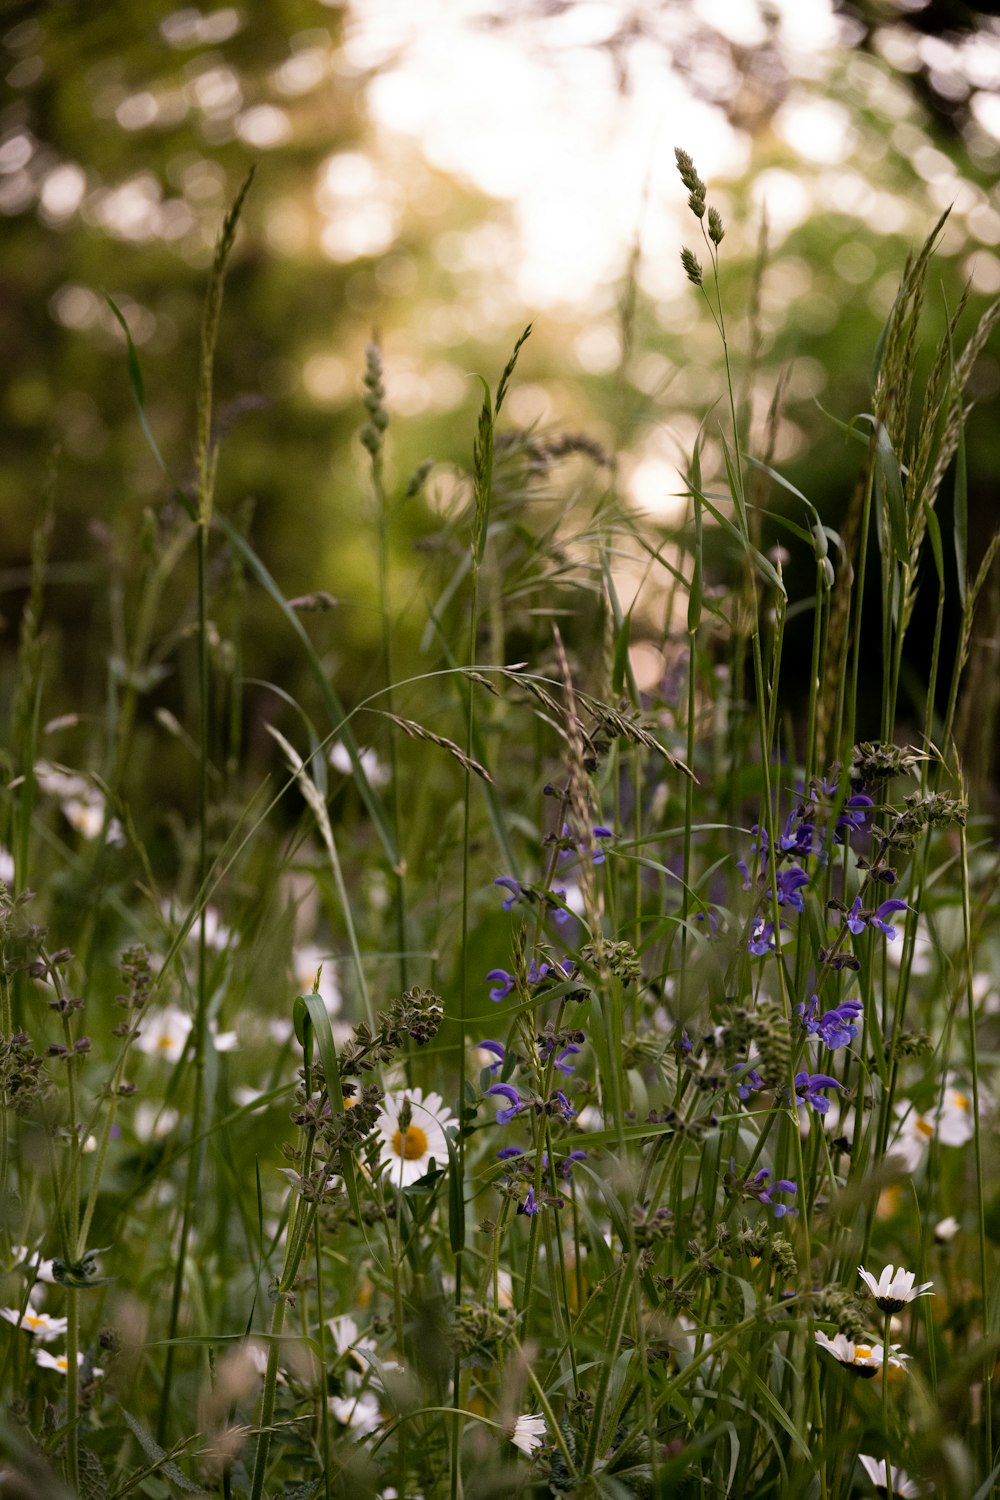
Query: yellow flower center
411	1144
862	1351
960	1100
925	1127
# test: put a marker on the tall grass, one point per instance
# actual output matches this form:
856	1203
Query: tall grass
512	1110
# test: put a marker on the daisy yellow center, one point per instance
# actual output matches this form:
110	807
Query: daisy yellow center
410	1143
862	1351
35	1320
925	1127
961	1101
165	1043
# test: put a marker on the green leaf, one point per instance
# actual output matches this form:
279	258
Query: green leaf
456	1199
159	1456
961	508
620	661
889	486
139	397
934	533
760	562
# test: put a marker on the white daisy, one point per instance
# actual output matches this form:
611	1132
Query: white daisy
360	1413
912	1137
41	1324
32	1264
60	1362
954	1118
528	1434
413	1134
151	1122
164	1033
347	1341
340	760
308	962
894	1289
902	1484
865	1359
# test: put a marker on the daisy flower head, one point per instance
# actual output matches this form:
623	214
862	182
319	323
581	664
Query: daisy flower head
902	1484
412	1129
164	1033
865	1360
359	1413
41	1324
894	1288
528	1434
60	1362
955	1125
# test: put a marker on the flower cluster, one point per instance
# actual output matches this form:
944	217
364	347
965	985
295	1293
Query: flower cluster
836	1027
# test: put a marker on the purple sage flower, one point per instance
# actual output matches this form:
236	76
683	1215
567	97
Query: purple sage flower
880	913
514	1100
499	1052
530	1204
808	1089
837	1027
513	886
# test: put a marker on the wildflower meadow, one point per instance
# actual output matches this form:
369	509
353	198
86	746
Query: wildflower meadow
508	1081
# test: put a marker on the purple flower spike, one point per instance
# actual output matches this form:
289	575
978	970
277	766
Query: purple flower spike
508	1092
507	1153
566	1109
530	1204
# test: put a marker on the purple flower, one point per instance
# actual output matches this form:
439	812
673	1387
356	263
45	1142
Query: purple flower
799	839
564	1106
515	888
763	1189
750	1084
880	913
789	885
852	817
530	1204
508	1092
560	914
505	983
808	1088
744	870
568	844
835	1027
507	1153
565	1167
856	917
499	1052
761	940
563	1066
